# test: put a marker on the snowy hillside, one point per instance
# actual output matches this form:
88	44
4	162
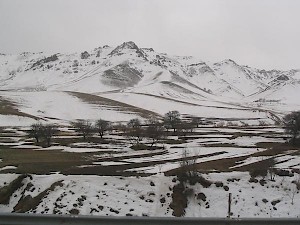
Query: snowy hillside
130	68
127	81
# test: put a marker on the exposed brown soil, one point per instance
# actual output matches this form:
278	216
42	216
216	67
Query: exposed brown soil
7	191
179	200
42	162
101	101
27	203
10	108
120	169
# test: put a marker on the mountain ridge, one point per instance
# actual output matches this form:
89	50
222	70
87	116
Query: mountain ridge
128	67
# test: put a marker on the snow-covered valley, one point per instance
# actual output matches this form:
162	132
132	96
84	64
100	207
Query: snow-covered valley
239	148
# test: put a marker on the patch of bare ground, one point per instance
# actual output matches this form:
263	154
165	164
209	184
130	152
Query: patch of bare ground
101	101
263	164
66	133
189	103
226	164
296	152
244	134
7	191
173	141
179	200
225	145
221	165
71	141
28	203
9	108
123	169
124	157
44	161
274	149
6	140
10	132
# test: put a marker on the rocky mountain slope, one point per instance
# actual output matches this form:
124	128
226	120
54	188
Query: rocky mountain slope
129	68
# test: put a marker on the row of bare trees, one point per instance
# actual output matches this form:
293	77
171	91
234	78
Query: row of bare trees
134	130
43	133
153	129
86	128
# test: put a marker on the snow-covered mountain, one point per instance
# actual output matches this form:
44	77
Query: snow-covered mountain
129	68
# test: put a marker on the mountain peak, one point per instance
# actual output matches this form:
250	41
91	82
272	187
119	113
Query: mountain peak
128	45
125	45
228	61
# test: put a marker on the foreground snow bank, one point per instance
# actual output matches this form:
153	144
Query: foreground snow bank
151	196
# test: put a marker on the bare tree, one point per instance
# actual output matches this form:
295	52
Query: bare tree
154	131
172	120
188	165
292	125
42	132
292	189
196	121
83	127
185	127
101	126
272	173
135	130
292	193
35	131
47	132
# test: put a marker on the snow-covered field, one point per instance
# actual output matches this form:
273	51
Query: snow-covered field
11	120
120	181
59	107
190	106
146	189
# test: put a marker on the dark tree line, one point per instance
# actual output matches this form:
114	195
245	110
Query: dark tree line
135	130
155	129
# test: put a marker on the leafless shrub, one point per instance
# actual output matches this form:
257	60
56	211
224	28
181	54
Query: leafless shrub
135	131
172	120
154	130
292	125
101	126
83	127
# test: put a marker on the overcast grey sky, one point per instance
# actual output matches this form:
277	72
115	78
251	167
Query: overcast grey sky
259	33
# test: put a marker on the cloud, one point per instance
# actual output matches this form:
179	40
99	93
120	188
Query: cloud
261	33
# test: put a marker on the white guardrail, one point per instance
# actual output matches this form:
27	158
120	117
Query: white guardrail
39	219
